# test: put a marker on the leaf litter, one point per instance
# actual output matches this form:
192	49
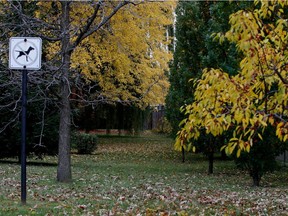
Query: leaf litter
121	180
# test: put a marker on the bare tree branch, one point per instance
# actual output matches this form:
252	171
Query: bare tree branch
104	20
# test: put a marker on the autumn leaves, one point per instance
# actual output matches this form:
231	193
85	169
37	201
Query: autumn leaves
257	96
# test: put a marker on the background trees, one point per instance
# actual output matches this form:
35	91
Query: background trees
196	50
125	118
86	58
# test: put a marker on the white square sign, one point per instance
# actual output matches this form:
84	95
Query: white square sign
25	53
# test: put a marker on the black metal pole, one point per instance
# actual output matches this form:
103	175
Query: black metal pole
23	136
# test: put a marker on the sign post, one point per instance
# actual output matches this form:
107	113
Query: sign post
24	55
23	137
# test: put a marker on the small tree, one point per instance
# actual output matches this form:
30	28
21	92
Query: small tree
254	98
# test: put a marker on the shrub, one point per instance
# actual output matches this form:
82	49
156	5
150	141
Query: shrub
85	143
262	156
163	126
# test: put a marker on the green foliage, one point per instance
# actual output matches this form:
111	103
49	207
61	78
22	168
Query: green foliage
41	139
10	142
189	43
85	143
196	50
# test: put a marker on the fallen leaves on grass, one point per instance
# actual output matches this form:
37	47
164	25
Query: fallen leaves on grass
118	182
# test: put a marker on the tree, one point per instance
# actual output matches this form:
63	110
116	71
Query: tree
189	42
68	28
256	97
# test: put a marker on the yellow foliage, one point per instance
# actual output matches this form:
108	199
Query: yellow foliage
128	57
249	100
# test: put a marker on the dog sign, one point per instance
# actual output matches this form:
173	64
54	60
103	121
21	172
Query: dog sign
25	53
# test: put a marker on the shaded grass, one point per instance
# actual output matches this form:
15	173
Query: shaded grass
144	176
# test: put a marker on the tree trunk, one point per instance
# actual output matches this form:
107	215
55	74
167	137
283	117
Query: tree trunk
64	161
120	118
211	150
64	158
256	181
211	161
183	154
256	177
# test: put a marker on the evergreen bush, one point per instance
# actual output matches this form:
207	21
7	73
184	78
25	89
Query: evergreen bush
84	143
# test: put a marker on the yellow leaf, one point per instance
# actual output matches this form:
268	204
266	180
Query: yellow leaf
194	149
238	153
227	151
285	138
251	142
248	148
223	147
271	120
231	149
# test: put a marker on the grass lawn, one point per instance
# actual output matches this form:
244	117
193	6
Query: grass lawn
141	176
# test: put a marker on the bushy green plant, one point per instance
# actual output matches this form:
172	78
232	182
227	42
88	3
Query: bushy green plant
84	143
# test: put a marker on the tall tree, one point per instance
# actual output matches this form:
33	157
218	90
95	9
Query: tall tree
69	28
186	60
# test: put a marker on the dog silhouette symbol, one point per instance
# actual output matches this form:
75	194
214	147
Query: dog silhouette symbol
24	53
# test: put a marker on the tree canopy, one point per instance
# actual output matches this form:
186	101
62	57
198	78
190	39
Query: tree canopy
254	98
126	59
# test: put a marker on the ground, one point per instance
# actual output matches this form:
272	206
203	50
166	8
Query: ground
141	176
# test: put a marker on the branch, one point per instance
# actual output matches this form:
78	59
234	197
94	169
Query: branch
280	118
88	32
28	22
89	23
285	81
